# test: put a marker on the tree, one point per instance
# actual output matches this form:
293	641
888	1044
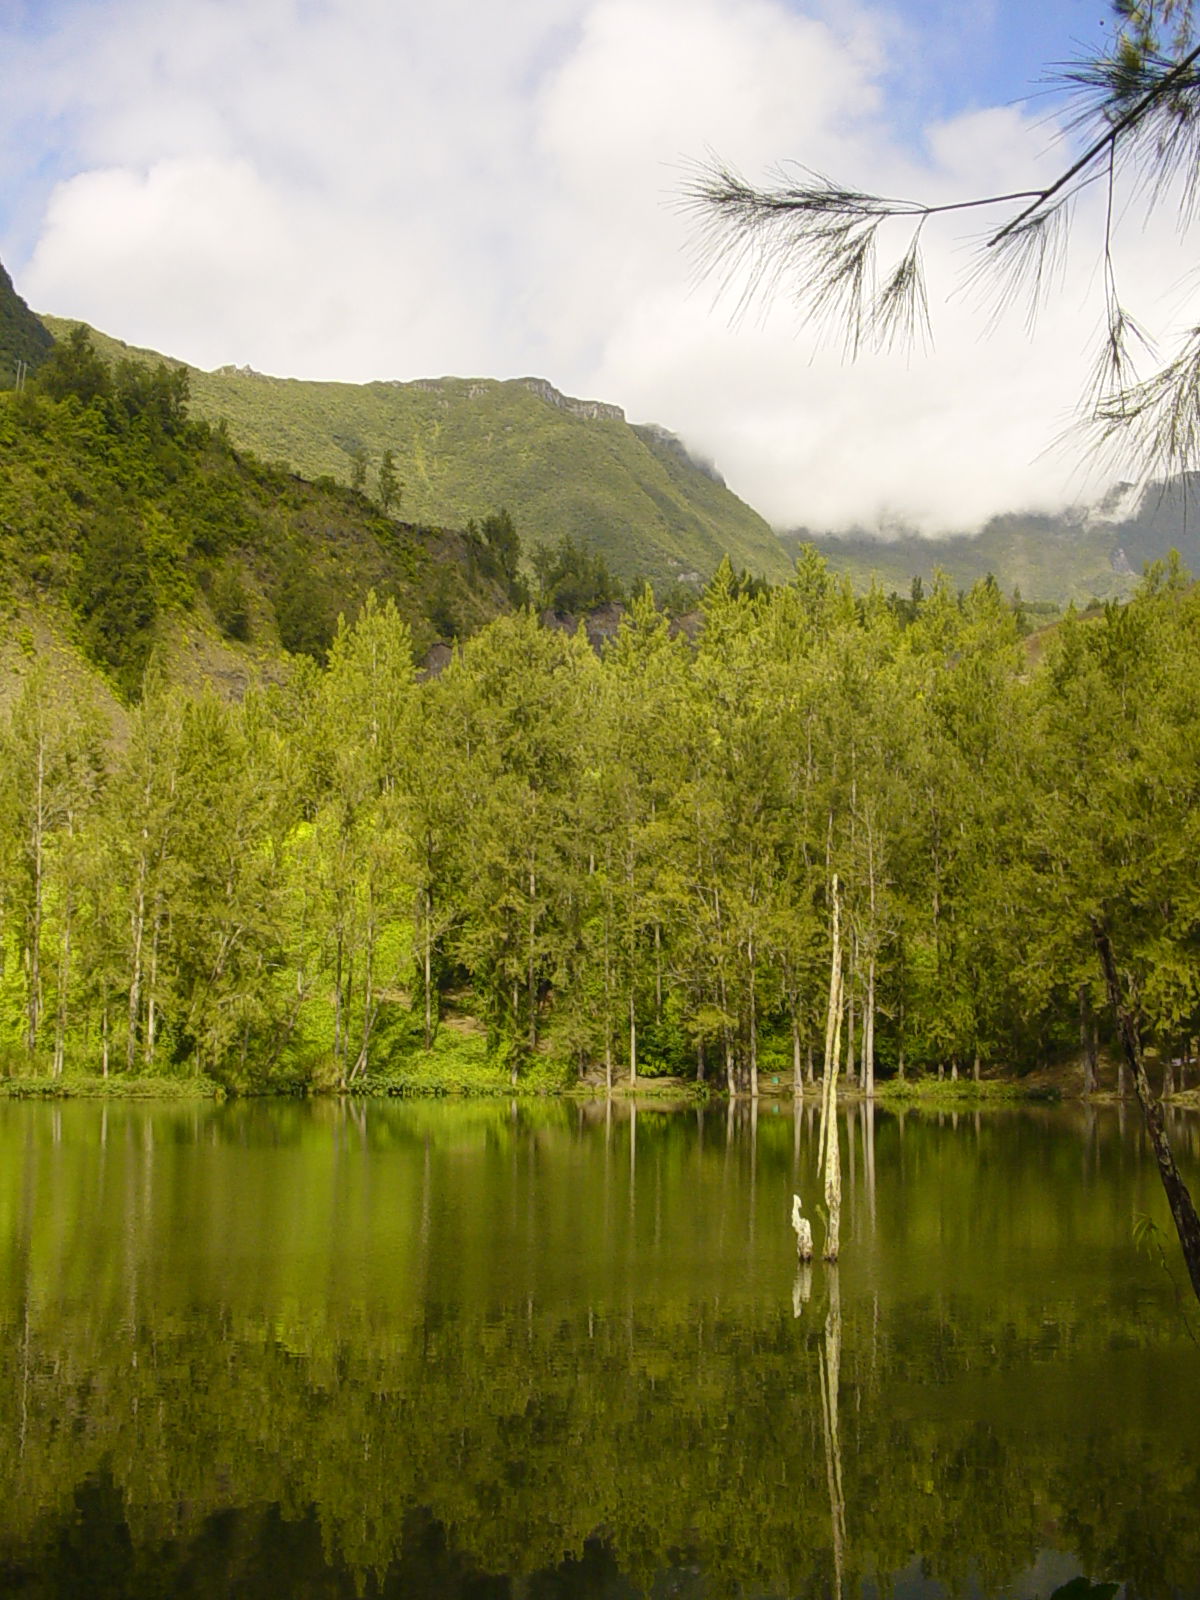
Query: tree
73	368
1137	107
389	483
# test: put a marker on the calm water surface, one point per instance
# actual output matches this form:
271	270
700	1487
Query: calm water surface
546	1350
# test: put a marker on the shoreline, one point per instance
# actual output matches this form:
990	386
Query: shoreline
912	1093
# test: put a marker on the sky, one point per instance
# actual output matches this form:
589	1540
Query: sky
381	189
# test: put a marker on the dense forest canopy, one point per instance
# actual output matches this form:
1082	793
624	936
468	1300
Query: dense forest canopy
619	862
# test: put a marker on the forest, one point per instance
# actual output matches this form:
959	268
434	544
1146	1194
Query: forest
615	865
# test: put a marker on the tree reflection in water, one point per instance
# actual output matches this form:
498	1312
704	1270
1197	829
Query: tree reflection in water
520	1349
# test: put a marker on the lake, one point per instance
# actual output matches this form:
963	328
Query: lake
557	1350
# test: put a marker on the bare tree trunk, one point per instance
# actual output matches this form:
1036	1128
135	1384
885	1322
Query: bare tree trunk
833	1166
833	1018
1183	1210
797	1062
869	1034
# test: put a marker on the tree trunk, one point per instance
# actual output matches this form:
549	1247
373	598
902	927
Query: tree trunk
138	931
152	989
632	1040
753	1024
868	1068
512	1073
828	1156
1183	1210
64	978
339	950
851	1074
428	968
530	978
369	1006
833	1162
37	861
730	1081
1087	1042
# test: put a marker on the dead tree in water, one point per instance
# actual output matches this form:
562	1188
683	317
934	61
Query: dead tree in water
830	1155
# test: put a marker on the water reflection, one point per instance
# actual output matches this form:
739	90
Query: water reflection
531	1348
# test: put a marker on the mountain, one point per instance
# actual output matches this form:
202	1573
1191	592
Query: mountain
1080	555
25	342
463	447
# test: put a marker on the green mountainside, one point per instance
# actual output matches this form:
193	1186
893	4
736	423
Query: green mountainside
24	339
126	527
462	447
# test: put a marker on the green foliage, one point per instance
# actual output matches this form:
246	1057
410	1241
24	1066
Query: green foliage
74	370
230	602
497	550
113	595
573	578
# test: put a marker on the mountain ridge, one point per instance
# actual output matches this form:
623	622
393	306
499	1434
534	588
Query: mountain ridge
565	468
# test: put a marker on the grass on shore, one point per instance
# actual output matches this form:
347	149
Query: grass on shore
118	1086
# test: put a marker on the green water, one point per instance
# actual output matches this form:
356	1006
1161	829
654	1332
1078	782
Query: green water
482	1349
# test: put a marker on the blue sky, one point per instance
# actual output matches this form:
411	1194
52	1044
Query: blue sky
388	189
996	51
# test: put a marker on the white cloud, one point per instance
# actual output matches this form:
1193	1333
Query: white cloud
357	188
